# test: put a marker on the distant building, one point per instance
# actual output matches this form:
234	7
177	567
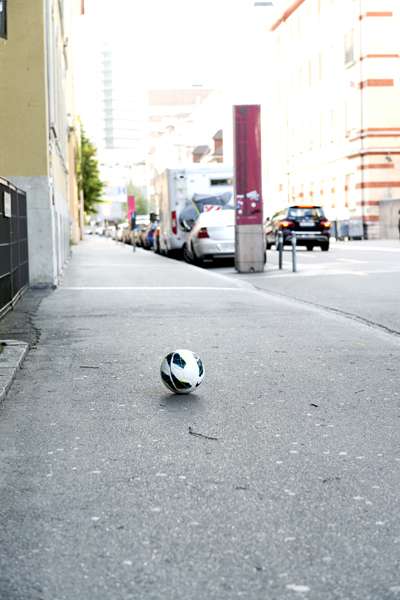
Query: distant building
124	106
37	129
168	112
331	124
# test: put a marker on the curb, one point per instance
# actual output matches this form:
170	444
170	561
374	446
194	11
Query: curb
11	359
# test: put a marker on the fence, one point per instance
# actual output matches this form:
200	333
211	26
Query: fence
14	264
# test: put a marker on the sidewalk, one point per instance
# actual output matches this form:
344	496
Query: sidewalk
104	492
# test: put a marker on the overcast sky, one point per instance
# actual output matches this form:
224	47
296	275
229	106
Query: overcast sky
174	43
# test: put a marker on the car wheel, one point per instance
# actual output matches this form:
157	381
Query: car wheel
325	247
310	247
276	242
269	246
186	255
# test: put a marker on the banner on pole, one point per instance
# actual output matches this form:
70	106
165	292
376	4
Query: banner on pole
131	206
247	145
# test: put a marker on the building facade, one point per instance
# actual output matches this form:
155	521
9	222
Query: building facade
331	119
37	152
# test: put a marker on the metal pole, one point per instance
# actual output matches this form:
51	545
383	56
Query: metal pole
280	239
294	244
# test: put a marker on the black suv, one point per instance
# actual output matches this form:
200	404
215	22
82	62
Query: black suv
309	222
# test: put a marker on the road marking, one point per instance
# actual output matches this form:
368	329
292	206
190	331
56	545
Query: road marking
353	261
234	289
349	272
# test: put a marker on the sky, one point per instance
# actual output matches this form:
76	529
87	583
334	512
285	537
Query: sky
173	44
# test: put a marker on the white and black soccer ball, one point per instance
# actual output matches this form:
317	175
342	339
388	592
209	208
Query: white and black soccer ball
182	371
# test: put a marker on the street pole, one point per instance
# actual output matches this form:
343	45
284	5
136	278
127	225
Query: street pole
249	234
294	245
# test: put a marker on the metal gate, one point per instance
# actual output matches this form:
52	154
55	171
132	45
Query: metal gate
14	264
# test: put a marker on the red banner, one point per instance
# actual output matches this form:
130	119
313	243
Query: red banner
131	206
247	135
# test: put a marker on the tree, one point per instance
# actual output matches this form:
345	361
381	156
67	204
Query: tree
89	175
141	203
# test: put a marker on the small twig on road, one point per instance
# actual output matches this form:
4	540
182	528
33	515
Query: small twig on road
201	435
316	405
359	391
87	367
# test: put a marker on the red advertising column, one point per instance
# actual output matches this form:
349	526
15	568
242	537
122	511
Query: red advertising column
250	248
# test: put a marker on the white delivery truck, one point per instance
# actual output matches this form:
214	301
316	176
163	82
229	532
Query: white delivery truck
183	193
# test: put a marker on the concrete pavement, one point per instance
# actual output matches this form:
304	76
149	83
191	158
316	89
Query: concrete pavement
104	492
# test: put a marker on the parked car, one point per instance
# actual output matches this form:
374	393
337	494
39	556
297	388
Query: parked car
212	236
100	230
156	240
122	231
309	222
139	233
148	236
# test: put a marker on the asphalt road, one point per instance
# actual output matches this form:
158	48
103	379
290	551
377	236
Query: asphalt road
360	278
104	492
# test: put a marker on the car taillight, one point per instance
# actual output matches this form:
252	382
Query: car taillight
325	223
287	223
174	226
203	233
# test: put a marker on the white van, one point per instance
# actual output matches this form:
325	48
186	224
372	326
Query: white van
182	194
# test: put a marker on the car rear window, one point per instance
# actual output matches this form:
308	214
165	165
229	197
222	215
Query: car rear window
217	217
299	212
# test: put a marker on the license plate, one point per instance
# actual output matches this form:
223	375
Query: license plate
307	225
227	247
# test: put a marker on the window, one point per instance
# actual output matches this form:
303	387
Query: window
332	60
302	191
349	47
321	192
311	191
310	134
293	192
320	66
349	116
280	188
279	92
292	142
319	8
291	86
309	73
309	16
332	125
350	192
301	138
301	212
3	19
350	202
300	78
320	130
333	202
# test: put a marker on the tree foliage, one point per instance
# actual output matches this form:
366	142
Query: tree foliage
141	203
89	175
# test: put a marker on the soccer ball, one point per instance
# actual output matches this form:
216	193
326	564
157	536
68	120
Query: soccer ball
182	371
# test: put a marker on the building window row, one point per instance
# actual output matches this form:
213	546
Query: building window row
326	193
326	131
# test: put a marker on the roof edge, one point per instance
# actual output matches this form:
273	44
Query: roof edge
285	14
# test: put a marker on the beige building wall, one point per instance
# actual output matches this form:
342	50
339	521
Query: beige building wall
34	128
331	124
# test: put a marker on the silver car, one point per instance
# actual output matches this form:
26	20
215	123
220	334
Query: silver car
212	236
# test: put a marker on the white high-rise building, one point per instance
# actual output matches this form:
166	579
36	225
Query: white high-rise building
124	106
